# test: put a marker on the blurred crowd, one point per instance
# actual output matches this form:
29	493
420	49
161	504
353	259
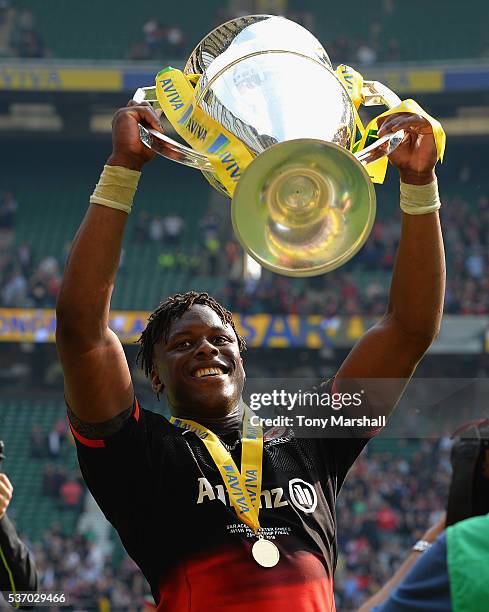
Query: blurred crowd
378	43
343	48
78	566
387	503
19	34
162	39
210	250
32	280
67	490
176	253
466	232
361	286
159	41
24	281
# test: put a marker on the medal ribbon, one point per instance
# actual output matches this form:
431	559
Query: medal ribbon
227	154
243	487
353	82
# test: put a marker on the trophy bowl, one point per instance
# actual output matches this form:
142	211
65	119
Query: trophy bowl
302	201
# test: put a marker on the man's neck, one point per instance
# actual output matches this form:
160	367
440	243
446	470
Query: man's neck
220	425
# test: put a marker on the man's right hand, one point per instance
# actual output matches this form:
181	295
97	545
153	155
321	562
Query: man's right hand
6	491
127	149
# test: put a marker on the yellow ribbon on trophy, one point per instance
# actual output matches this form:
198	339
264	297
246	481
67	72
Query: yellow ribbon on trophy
230	157
353	82
227	154
244	488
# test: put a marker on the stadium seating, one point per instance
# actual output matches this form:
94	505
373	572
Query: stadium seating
442	31
17	418
73	30
434	30
425	30
51	207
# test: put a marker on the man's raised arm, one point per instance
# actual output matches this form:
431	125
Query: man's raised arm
393	347
97	379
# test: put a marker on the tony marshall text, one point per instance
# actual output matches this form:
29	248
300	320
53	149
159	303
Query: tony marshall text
332	421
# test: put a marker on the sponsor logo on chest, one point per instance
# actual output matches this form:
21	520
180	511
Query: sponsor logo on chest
301	494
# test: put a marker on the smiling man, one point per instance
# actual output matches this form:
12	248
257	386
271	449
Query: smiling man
217	516
167	356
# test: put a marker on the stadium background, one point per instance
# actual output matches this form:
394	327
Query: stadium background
64	69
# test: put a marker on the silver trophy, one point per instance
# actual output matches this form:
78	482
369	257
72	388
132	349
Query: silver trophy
306	204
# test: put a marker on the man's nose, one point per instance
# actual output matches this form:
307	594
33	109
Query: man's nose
206	348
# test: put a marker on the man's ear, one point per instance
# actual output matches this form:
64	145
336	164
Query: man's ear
156	383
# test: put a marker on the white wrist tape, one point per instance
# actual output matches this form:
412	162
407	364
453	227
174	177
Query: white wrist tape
420	199
116	188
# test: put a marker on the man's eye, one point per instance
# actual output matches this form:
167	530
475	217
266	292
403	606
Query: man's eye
221	339
184	344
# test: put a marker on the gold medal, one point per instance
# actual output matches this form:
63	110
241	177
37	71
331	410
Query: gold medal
265	553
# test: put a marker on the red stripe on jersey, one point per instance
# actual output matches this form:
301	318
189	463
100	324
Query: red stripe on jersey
299	582
368	434
86	441
135	414
373	433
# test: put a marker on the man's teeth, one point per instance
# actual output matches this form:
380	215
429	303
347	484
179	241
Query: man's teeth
208	372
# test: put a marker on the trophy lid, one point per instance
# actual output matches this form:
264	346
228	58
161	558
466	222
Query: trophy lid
258	33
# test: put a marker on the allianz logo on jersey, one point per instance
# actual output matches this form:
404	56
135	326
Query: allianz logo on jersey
301	494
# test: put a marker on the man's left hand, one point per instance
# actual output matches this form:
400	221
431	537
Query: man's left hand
6	491
416	156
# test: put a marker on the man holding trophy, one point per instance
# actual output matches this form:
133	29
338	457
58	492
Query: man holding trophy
216	517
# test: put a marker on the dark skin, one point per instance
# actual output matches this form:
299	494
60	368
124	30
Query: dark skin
416	157
97	379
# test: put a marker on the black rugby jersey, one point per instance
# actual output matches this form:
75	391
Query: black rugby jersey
159	487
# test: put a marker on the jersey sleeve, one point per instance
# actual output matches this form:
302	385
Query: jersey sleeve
17	567
426	586
117	468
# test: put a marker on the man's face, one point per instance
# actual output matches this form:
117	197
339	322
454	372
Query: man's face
199	366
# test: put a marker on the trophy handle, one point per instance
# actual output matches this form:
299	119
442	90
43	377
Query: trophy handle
380	148
166	147
375	93
162	144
